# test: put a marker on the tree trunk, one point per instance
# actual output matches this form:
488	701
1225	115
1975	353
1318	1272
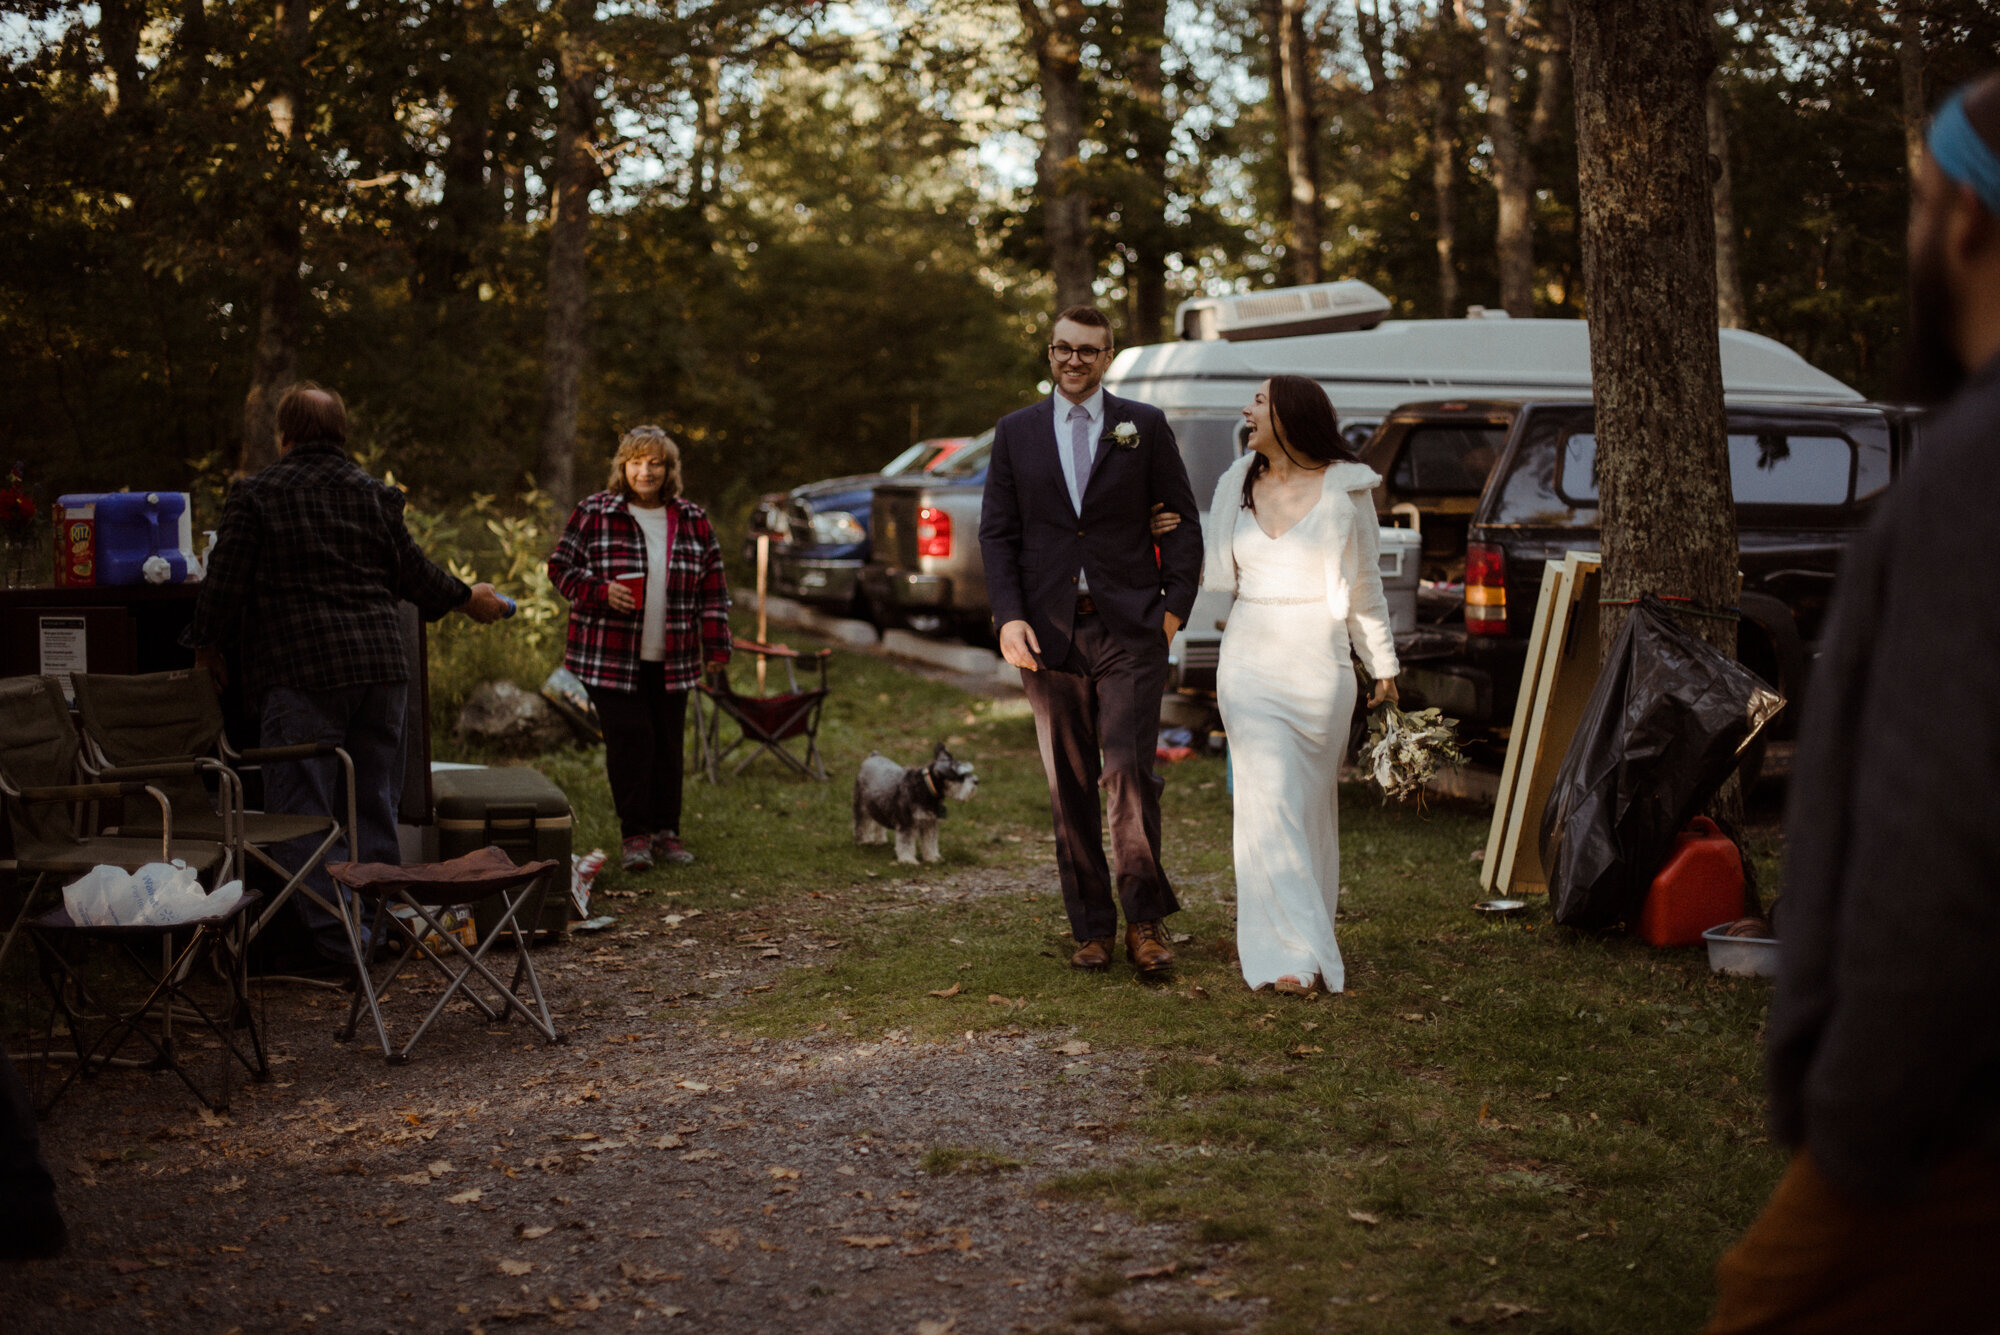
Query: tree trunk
1513	179
118	26
1729	311
1910	57
1292	83
566	333
1447	88
1668	526
468	204
1055	35
1147	234
280	286
1371	34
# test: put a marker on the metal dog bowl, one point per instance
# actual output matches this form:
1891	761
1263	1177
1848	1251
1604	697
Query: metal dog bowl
1741	956
1500	908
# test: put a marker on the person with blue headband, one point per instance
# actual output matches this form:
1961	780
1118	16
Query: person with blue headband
1883	1045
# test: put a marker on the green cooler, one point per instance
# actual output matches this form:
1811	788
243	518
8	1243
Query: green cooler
523	813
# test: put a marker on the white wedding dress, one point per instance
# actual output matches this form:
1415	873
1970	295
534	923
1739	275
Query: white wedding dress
1286	687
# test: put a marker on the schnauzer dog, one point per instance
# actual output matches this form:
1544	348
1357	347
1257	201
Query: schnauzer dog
908	801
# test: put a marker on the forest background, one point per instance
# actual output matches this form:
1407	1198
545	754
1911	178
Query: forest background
800	235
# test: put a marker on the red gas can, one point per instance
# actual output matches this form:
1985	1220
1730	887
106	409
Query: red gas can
1699	885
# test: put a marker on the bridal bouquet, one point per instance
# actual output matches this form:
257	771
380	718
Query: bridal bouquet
1403	750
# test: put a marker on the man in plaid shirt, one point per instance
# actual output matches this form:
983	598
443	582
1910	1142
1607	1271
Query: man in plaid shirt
310	562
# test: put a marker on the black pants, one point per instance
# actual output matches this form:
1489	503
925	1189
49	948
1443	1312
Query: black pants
1104	700
642	751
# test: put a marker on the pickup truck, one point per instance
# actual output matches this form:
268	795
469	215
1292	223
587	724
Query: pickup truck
820	530
1499	487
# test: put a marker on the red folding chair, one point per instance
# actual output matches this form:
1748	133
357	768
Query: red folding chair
765	722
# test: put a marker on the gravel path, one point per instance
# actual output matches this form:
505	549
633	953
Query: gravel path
651	1172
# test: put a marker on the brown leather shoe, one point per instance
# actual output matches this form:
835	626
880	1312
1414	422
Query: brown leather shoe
1146	947
1093	955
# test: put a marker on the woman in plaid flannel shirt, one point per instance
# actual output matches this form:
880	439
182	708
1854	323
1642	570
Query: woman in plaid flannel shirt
640	654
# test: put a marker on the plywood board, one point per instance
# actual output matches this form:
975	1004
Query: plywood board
1524	707
1568	673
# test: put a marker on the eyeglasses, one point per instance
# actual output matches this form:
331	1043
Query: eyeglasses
1063	352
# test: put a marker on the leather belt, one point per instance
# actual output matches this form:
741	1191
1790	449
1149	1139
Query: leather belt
1086	606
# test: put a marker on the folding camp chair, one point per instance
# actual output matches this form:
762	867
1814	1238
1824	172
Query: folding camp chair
424	889
134	723
765	722
166	993
46	806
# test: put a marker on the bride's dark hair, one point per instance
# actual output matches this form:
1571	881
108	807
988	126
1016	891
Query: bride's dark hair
1307	428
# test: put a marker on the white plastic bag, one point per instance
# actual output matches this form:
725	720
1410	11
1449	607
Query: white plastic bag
221	899
160	893
87	898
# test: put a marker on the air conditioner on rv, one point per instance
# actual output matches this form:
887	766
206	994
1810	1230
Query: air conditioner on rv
1320	308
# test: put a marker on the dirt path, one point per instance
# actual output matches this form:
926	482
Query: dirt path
650	1172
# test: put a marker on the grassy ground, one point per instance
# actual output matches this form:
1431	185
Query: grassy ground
1500	1121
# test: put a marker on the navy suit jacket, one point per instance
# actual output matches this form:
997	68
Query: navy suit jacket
1034	541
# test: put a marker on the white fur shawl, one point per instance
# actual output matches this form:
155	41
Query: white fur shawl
1353	553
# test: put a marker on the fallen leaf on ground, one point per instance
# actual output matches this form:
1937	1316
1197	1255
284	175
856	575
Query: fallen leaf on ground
1076	1047
466	1197
764	1246
1305	1050
944	1327
233	1184
870	1241
439	1169
413	1179
696	1156
1207	1059
539	1231
948	992
775	1171
670	1141
1154	1271
516	1267
694	1085
1414	1017
771	954
1363	1217
725	1238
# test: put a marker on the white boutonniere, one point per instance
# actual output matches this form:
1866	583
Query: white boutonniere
1125	435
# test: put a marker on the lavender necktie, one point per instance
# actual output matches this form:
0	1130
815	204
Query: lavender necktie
1080	449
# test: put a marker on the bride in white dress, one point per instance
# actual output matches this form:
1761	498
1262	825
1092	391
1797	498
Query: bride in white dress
1292	533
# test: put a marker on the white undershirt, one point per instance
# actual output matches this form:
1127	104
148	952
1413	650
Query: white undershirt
653	632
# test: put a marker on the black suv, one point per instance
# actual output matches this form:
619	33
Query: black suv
1501	487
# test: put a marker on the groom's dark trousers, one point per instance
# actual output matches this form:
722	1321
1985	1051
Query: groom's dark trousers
1104	699
1103	658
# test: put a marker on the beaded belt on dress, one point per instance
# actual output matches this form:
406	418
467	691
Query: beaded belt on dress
1281	602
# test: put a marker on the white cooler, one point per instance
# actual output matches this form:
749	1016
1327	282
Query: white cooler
1401	561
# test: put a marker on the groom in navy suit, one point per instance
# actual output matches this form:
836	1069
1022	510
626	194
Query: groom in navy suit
1086	610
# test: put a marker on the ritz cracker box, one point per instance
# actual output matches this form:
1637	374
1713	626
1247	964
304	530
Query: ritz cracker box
76	541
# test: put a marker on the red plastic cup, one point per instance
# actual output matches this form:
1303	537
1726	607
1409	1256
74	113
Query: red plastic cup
635	580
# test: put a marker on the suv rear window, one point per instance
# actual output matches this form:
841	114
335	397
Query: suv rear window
1808	466
1447	460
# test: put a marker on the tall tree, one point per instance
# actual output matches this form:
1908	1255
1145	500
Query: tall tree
574	175
1292	61
1641	73
1147	236
281	288
1729	308
1447	88
1910	65
1055	39
1513	185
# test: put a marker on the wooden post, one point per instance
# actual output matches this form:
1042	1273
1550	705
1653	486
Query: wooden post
763	608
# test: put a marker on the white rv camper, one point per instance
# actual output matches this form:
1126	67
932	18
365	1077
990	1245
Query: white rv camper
1371	365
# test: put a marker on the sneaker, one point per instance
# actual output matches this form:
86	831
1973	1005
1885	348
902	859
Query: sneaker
667	848
638	852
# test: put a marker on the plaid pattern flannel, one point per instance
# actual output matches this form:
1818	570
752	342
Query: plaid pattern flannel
310	561
602	540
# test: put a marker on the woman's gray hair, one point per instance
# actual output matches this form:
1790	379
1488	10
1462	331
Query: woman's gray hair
638	442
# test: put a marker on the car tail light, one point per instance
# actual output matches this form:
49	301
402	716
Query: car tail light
1485	589
933	532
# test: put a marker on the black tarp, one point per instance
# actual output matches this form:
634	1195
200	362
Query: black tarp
1665	726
